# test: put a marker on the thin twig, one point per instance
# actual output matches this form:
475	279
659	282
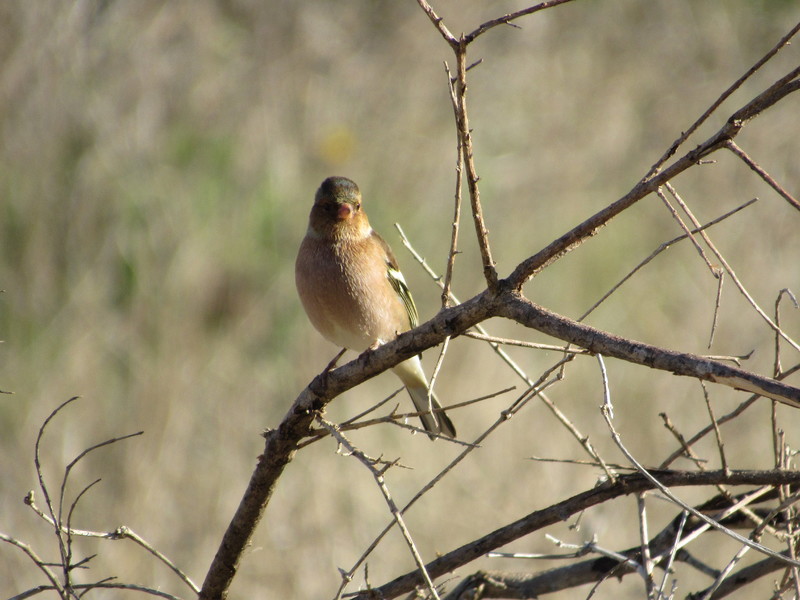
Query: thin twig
378	475
592	546
731	145
582	439
506	19
752	545
587	463
86	587
40	476
715	425
451	255
659	250
438	23
708	429
29	552
788	293
673	551
395	418
668	493
437	367
120	533
687	231
738	283
644	542
717	303
523	344
465	134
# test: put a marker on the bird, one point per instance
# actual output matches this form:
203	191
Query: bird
353	292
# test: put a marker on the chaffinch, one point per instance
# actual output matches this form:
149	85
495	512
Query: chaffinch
353	291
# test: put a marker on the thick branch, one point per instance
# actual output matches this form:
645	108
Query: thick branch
279	450
626	484
527	313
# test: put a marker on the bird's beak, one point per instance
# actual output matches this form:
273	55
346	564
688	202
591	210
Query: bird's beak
346	211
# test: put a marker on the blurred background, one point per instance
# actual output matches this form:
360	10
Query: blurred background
157	164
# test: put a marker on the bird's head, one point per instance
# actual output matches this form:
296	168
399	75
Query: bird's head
337	211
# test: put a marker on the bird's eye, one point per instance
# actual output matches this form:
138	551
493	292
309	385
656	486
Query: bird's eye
358	206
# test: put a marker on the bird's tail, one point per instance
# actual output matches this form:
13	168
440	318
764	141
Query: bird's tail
413	377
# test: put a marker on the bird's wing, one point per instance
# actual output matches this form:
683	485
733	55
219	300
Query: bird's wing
398	281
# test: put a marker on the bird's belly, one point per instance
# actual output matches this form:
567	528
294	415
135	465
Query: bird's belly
358	332
335	310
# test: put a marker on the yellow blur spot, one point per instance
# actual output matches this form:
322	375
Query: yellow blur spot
337	146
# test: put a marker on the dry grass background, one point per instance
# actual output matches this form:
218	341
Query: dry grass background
156	169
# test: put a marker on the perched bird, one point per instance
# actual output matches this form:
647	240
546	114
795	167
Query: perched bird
353	291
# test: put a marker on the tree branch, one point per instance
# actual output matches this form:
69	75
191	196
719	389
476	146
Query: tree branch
576	236
525	312
625	485
506	19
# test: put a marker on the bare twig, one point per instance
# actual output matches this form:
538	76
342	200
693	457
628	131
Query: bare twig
717	303
715	425
43	487
731	145
672	553
438	23
451	255
730	271
644	542
465	135
523	344
778	370
506	19
659	250
378	475
86	587
688	232
40	564
437	367
668	493
709	592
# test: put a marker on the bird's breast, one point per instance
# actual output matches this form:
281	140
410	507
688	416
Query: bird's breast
345	295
